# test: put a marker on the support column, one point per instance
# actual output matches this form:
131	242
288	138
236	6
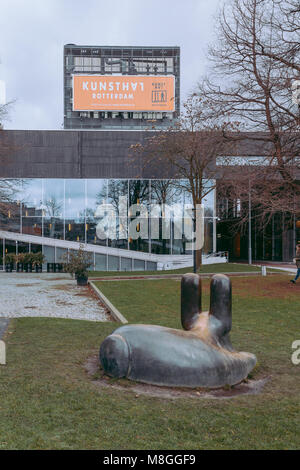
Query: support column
273	239
3	258
294	234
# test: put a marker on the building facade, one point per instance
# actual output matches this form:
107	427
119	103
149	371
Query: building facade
59	177
108	94
53	183
276	241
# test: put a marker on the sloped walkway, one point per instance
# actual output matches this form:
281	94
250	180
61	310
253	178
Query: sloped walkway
281	266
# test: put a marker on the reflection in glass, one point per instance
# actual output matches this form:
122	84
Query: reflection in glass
118	198
75	191
138	195
32	207
10	207
96	193
65	209
165	199
53	206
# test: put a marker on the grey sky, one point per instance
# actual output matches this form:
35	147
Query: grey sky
33	32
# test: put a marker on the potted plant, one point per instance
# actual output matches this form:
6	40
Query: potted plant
28	261
38	260
20	262
9	262
78	264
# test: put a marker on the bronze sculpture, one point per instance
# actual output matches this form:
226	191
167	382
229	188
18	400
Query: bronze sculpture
201	355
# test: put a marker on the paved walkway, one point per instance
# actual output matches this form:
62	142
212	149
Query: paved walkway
281	266
47	295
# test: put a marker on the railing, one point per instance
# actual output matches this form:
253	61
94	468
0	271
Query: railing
222	254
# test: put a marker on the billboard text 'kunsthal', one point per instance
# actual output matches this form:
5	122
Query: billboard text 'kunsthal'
123	93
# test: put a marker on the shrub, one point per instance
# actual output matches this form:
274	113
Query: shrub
78	262
10	258
20	258
28	258
38	259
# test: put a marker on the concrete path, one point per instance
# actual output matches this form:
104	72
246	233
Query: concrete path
291	269
281	266
47	295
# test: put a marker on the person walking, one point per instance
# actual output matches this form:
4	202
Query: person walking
297	261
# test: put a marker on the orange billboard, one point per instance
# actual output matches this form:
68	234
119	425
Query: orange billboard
123	93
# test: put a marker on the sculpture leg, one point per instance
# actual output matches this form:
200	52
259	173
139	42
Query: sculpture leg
221	309
190	300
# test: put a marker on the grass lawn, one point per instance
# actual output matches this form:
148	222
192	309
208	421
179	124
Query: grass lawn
47	400
206	268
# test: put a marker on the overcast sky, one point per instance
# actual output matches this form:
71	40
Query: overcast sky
33	32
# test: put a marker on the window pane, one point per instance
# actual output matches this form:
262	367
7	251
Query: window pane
75	210
118	198
53	205
138	195
96	195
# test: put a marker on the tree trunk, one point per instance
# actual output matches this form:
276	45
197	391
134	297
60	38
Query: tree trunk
198	260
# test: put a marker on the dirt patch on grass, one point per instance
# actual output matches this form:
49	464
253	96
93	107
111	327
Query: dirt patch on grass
63	303
82	291
65	287
87	291
25	285
94	371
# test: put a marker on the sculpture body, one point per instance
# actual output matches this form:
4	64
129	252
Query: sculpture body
201	355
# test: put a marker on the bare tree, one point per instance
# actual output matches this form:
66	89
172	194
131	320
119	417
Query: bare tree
4	112
284	22
53	211
8	187
254	64
187	151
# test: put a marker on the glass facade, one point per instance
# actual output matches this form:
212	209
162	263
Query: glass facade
150	218
274	241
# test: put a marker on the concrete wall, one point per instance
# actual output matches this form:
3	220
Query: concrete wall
71	154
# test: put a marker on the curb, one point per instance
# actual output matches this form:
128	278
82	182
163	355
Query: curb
177	276
113	310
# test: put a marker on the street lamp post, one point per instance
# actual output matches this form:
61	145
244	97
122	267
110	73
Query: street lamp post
249	230
194	250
